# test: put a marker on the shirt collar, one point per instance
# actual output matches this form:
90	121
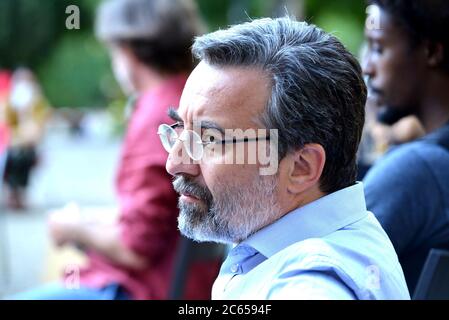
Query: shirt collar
316	219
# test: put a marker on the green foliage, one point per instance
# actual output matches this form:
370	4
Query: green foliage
72	66
345	19
221	13
77	73
30	29
214	12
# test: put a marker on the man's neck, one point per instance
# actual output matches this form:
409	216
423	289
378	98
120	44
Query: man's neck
434	107
301	200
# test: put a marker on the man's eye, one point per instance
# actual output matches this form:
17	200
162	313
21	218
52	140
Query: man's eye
209	139
211	135
179	127
377	48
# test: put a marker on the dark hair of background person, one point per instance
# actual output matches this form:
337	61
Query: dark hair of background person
318	93
422	20
159	32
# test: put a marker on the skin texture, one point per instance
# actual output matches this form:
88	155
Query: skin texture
406	77
235	97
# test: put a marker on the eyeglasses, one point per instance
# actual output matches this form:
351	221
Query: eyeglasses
193	143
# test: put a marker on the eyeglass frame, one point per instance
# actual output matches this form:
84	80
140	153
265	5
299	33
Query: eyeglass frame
205	143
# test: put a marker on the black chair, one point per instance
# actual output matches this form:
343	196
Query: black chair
189	252
4	244
433	283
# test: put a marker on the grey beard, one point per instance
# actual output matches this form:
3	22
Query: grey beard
234	216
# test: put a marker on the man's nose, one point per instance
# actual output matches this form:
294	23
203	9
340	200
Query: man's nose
368	67
179	162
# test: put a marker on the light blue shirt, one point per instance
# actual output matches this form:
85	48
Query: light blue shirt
332	248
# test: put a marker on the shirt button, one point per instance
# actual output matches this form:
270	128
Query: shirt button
234	268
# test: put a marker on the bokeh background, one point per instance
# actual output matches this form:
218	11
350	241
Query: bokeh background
79	153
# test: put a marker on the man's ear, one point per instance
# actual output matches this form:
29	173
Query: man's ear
306	168
434	53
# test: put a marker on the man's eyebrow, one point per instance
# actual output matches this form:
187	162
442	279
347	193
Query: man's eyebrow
172	113
205	124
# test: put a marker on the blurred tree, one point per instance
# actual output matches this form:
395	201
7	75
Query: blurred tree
30	29
345	19
71	65
221	13
214	12
77	74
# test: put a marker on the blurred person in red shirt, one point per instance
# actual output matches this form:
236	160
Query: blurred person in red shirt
5	84
149	43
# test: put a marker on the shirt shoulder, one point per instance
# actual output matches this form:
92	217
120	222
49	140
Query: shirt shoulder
419	159
407	190
313	269
343	261
407	177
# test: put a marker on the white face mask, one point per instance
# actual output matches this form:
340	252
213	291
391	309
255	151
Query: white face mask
22	96
122	74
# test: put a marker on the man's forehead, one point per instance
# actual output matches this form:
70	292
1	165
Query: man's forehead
230	91
204	82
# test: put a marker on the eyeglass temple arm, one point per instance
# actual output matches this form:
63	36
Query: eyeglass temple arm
234	140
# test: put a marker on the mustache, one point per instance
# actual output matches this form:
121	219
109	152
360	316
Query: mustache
183	185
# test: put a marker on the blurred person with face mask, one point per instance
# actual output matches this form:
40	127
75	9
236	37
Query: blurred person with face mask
133	258
26	113
407	66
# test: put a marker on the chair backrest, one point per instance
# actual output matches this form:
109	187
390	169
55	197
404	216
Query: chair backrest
189	252
4	265
433	283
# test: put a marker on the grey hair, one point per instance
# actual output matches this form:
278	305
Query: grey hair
318	93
